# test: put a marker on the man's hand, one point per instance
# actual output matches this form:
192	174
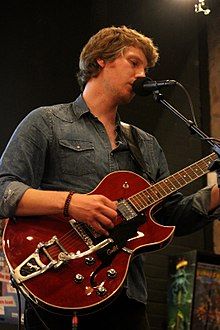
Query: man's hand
95	210
215	198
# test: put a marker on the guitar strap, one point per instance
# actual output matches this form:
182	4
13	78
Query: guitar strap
136	154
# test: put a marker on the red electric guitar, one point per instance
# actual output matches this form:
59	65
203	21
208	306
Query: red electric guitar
67	267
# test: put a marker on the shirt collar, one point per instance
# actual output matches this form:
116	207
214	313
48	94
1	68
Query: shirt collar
80	107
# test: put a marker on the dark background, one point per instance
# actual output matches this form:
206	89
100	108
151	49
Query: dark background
40	46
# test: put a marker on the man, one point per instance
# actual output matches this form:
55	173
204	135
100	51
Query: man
72	147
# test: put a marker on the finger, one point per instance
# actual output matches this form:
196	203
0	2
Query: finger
104	221
109	203
108	214
100	229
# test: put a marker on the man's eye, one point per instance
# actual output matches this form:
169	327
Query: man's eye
134	63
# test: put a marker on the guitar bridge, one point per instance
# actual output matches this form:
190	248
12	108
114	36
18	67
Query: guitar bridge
33	266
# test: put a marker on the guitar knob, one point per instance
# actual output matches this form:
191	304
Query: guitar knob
101	291
111	273
89	260
78	278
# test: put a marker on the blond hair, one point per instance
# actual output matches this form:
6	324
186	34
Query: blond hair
108	44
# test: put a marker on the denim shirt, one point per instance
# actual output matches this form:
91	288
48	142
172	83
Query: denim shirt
64	147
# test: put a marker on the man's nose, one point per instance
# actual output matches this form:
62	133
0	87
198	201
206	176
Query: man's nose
141	73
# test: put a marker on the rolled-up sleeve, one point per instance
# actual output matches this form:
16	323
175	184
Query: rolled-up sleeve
11	197
187	213
201	202
22	162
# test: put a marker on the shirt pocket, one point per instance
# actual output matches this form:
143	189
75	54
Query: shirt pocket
77	157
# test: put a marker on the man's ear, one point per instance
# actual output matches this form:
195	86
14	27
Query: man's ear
100	62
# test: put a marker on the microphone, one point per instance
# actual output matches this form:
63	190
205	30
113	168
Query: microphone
145	86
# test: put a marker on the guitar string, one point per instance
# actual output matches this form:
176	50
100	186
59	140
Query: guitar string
141	200
197	169
70	239
67	241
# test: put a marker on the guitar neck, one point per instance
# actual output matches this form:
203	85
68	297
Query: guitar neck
174	182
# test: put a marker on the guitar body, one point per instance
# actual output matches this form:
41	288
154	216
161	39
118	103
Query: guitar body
93	277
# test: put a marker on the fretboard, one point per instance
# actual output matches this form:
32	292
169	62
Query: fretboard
174	182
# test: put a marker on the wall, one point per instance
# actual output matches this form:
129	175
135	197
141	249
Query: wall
214	83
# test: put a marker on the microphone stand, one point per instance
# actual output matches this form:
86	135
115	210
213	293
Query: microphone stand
215	166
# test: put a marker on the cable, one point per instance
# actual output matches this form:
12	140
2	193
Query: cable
14	284
40	318
19	306
190	102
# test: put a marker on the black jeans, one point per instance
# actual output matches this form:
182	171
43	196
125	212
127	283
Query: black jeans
121	314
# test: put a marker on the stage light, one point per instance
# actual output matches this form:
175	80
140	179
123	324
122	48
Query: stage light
201	7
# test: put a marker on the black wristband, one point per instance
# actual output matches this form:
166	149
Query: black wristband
67	204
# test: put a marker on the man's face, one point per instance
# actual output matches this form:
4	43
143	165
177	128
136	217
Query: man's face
119	75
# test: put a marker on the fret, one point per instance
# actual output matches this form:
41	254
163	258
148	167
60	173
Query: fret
170	184
175	182
160	186
180	179
185	176
146	197
158	193
149	198
143	198
192	174
211	160
203	165
153	193
187	173
136	202
167	186
163	192
197	170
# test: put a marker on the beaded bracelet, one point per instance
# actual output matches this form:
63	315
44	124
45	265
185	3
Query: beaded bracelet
67	204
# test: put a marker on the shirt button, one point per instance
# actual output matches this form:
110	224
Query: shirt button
77	147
